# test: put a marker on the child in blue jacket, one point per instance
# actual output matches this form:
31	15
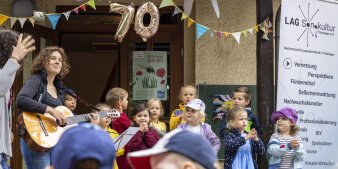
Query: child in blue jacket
241	146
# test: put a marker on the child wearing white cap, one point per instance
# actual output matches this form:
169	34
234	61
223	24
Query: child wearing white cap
193	114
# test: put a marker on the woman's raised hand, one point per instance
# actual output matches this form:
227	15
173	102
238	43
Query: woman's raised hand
23	47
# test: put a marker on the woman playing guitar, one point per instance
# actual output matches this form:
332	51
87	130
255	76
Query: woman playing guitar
42	92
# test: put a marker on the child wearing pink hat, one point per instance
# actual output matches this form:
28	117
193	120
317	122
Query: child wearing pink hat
285	148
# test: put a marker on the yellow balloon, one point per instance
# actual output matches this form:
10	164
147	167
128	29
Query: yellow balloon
127	12
151	29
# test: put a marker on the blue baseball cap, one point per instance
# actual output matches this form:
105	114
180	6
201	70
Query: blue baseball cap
83	142
191	145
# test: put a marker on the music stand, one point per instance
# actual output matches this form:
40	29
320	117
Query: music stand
124	137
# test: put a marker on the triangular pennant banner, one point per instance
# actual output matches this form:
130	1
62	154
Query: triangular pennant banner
245	33
250	30
91	3
212	33
13	20
32	20
3	18
262	28
76	10
22	21
216	8
237	36
227	35
184	16
83	7
200	30
177	11
219	34
66	14
256	28
190	21
187	6
166	3
53	19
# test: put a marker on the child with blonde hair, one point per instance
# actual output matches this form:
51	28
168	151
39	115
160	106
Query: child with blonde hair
187	93
193	115
156	111
285	148
117	98
241	146
241	98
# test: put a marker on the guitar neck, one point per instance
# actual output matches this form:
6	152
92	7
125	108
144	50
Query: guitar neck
83	118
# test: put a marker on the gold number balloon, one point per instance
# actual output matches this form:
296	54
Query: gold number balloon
147	32
127	12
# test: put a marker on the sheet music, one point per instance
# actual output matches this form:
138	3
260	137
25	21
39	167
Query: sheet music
124	138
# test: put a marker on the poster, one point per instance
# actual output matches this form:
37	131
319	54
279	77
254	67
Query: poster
308	76
150	75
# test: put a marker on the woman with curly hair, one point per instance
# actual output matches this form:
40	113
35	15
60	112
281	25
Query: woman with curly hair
41	93
13	49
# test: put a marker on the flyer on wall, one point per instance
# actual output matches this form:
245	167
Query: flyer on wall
307	76
150	75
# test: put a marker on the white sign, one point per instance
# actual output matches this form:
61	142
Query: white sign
308	76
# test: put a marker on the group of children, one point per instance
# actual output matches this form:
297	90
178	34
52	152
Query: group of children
240	130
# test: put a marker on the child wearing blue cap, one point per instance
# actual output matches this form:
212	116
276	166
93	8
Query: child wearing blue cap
70	102
178	149
285	148
85	147
193	114
241	146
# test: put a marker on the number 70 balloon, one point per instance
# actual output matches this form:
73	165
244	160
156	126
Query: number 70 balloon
127	12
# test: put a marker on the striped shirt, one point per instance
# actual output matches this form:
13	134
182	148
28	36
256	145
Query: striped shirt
287	159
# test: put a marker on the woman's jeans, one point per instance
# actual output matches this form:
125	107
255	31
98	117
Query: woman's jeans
3	162
33	159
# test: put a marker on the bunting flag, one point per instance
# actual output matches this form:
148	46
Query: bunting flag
226	35
219	34
187	6
166	3
251	31
76	10
66	14
212	33
215	6
190	21
237	36
3	19
177	11
91	3
32	20
184	16
245	33
200	30
83	7
13	20
53	19
22	21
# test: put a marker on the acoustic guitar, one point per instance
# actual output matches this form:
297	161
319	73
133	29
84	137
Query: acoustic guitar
42	132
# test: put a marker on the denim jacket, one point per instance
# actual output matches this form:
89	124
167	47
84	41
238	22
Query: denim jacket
233	140
208	133
276	150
